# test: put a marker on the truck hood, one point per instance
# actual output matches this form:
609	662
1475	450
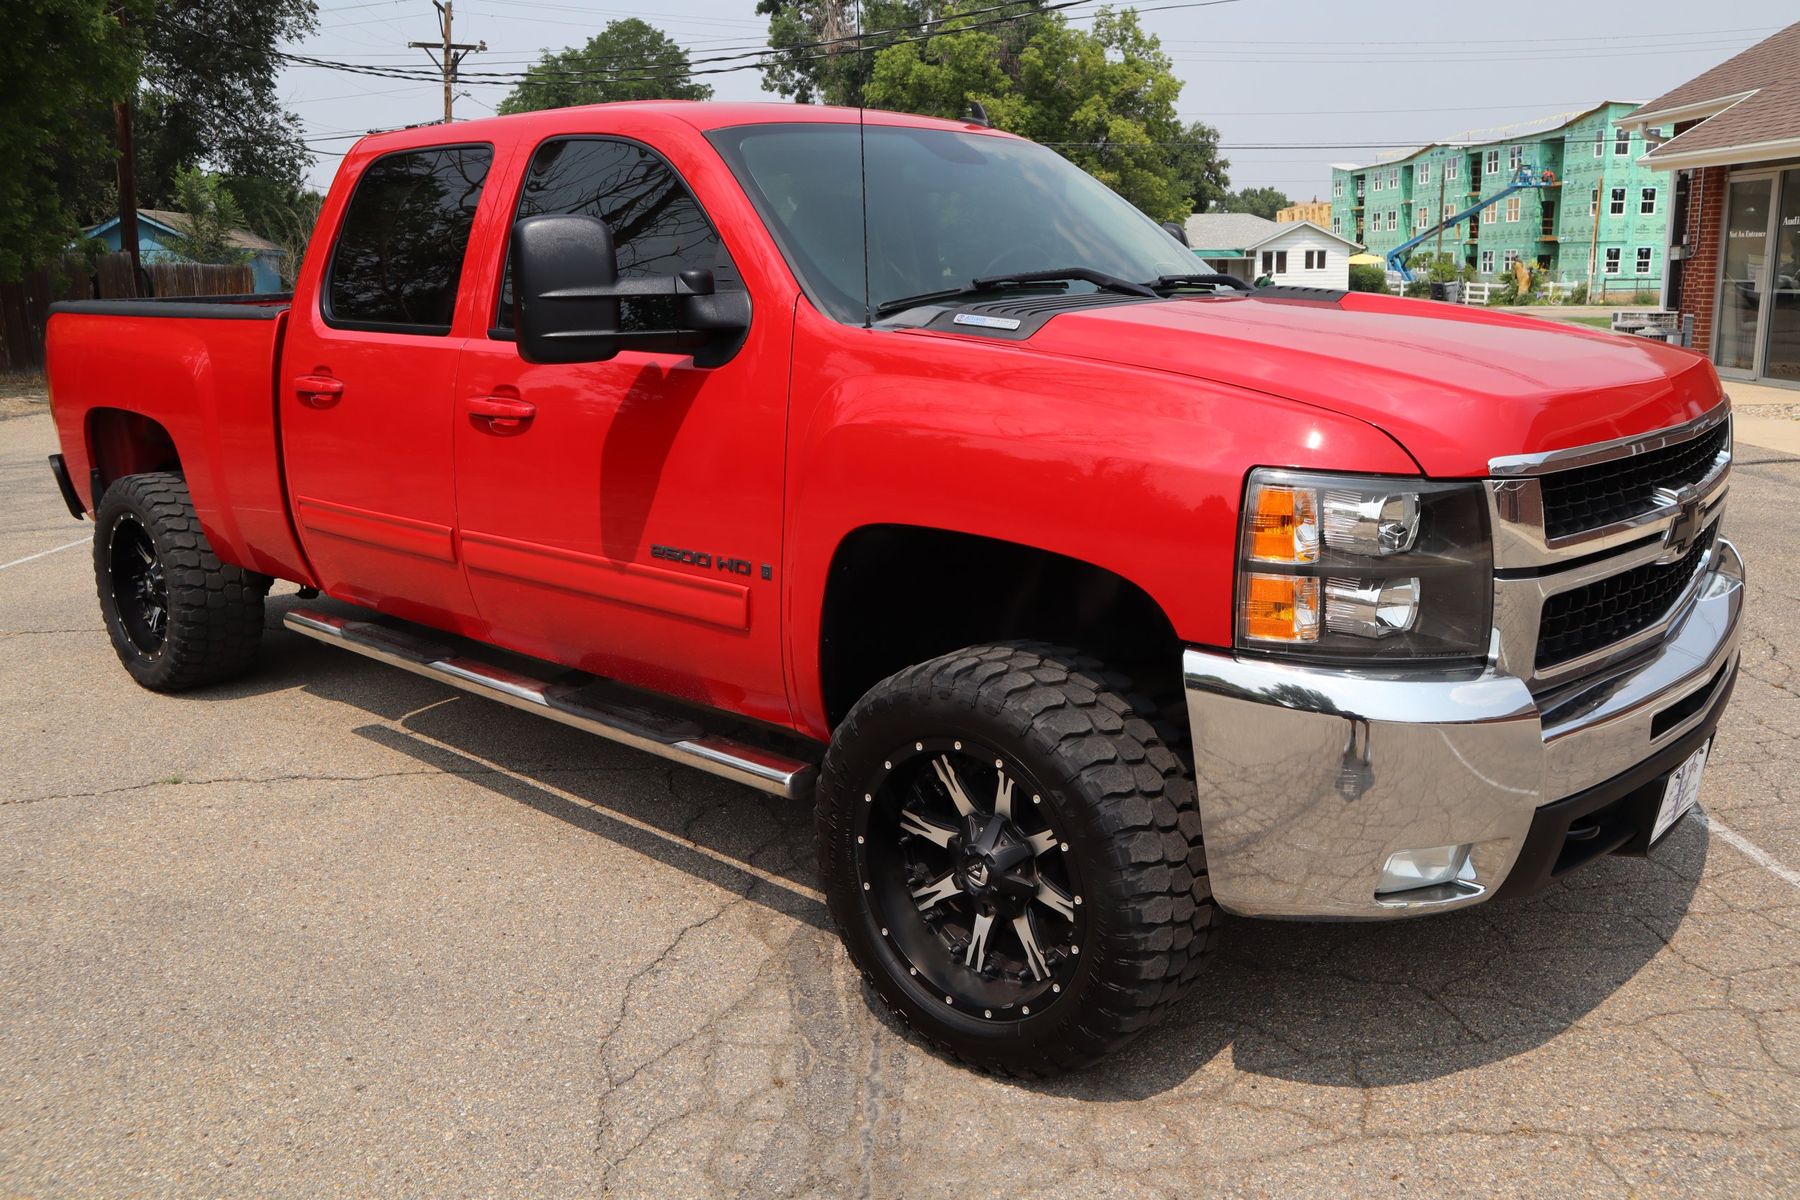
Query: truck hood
1455	386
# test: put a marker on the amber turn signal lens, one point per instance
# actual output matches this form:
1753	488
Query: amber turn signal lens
1284	524
1280	608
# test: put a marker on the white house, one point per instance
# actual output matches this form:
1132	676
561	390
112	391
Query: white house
1294	253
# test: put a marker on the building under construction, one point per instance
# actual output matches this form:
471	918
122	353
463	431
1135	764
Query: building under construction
1595	215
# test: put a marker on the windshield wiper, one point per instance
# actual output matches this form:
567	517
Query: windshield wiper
975	288
1204	278
995	283
1100	279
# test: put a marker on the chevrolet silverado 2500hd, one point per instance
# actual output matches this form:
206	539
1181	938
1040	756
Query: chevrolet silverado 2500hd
1088	592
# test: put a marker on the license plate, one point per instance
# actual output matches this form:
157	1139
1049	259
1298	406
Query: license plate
1681	791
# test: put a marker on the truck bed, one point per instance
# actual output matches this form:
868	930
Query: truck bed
134	384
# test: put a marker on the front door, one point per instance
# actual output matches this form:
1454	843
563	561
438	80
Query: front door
1743	275
367	390
625	516
1781	359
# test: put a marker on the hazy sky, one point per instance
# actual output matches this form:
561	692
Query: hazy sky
1312	72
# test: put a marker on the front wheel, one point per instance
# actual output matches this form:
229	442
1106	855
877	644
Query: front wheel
178	616
1013	857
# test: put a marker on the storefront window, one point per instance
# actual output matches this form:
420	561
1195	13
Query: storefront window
1782	360
1741	276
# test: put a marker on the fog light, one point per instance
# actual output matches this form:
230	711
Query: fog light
1371	609
1409	869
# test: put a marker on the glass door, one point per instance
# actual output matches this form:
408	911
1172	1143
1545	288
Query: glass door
1781	357
1742	275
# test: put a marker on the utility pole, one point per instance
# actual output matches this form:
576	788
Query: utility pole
447	55
1600	200
1440	211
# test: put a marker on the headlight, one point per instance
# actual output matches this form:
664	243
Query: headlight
1354	568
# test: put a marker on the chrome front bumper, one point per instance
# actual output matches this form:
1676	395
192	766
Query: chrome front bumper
1310	778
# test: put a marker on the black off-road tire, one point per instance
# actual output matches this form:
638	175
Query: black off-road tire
1124	801
213	619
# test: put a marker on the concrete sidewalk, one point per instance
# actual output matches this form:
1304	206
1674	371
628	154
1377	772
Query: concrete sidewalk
1766	415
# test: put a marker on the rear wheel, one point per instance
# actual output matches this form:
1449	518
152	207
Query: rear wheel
178	617
1013	857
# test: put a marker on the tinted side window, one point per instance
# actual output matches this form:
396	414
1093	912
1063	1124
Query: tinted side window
658	227
400	253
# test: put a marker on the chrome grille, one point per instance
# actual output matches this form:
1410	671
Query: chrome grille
1609	610
1583	540
1607	492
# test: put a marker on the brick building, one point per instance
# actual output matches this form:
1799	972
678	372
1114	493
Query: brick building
1734	253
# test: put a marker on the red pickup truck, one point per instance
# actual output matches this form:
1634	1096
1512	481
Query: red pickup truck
899	461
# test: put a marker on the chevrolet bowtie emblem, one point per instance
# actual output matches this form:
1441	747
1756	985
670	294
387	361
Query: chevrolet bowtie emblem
1685	525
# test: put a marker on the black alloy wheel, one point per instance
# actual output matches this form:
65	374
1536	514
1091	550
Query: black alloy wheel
178	616
139	585
973	883
1012	854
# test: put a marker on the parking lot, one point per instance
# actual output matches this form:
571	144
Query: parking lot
337	929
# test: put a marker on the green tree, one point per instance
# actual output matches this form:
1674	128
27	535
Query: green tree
582	75
1367	277
212	215
61	62
1263	202
819	58
1104	98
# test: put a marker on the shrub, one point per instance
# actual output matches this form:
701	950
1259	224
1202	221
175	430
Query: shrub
1367	277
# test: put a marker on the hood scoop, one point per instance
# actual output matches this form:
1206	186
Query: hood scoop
1018	317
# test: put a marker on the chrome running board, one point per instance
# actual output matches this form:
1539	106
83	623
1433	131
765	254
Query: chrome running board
593	705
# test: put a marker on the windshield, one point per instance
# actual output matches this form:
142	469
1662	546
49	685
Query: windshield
945	208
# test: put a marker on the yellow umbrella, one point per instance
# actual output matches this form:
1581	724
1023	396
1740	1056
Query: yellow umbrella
1366	260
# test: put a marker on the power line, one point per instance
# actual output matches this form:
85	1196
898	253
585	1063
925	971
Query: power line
448	54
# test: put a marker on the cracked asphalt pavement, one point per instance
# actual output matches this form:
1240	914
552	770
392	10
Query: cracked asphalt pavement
335	929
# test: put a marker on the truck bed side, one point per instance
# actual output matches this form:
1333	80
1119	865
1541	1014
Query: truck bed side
145	385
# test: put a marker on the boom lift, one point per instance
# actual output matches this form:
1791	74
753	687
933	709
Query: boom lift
1524	177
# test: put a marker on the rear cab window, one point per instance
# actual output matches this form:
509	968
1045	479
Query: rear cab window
399	253
658	227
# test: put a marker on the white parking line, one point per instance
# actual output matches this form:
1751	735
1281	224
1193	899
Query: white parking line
44	553
1751	850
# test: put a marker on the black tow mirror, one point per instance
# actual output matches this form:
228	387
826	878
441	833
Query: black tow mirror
572	307
1176	230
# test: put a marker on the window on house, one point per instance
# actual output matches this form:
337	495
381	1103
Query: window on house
1337	226
1622	143
1643	260
1268	262
1378	181
1337	189
1593	202
1599	143
1512	210
399	256
1422	174
1647	201
1487	262
1450	168
1615	206
1515	156
1281	262
659	228
1420	217
1612	260
1493	161
1394	179
1490	215
1393	219
1511	257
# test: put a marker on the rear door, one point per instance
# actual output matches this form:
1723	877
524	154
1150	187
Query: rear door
629	522
367	389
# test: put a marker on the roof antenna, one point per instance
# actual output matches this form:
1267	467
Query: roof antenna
862	169
978	115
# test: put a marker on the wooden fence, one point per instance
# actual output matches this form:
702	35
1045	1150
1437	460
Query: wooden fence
25	306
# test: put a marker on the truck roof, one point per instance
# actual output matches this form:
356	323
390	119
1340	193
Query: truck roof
703	115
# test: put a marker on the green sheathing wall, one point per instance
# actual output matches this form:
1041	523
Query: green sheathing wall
1568	153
